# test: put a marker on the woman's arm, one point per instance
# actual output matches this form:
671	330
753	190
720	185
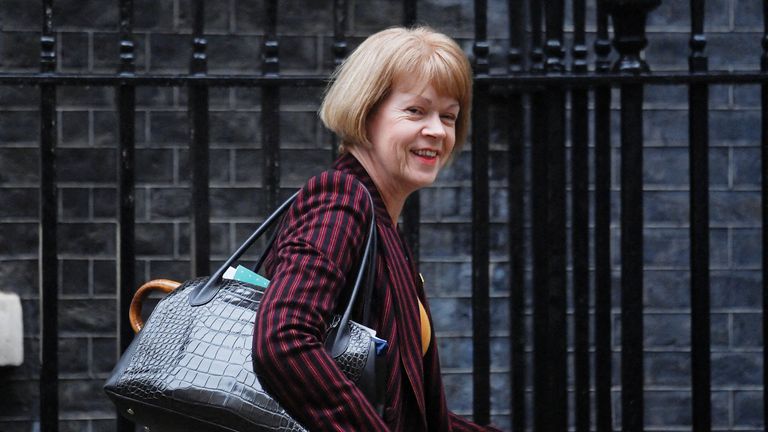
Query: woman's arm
320	244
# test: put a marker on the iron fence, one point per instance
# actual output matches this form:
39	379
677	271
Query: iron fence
536	88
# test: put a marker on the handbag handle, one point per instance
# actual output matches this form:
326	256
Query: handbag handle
134	312
205	293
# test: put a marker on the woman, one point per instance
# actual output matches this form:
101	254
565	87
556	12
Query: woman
400	105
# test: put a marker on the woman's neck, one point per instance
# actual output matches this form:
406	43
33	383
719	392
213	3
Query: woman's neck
393	197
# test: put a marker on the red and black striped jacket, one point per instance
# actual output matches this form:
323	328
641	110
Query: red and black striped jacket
310	267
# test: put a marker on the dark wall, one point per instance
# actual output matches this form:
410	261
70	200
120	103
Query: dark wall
87	126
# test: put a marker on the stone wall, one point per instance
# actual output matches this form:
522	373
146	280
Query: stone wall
87	129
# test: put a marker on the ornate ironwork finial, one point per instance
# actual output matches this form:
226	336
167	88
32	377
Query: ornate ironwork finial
199	62
629	32
339	28
48	40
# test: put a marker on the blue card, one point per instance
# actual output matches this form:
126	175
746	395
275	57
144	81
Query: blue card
244	274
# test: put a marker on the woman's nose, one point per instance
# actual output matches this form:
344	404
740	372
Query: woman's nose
434	127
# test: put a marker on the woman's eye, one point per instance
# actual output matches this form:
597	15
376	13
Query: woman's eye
413	110
448	117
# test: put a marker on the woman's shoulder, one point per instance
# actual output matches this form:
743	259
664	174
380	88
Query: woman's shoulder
336	188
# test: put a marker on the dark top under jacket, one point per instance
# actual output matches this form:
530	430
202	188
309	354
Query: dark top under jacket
315	253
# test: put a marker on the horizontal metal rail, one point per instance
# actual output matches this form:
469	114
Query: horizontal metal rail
523	80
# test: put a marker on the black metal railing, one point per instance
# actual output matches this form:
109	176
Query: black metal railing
537	85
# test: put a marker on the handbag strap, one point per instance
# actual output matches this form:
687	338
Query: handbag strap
367	267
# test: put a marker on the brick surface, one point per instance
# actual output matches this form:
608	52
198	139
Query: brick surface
75	277
19	276
19	50
736	368
86	316
75	51
85	396
748	409
667	408
86	238
232	52
746	331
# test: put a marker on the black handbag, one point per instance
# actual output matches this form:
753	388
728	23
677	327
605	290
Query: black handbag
190	367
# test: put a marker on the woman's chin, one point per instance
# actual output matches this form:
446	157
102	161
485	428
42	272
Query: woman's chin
423	181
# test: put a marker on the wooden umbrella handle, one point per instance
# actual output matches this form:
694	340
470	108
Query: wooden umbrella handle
134	314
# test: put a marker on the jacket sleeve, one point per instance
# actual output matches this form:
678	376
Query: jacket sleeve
317	249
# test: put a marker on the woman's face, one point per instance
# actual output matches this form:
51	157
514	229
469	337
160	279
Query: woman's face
412	132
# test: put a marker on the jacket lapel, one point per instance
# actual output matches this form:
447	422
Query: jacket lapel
406	311
403	278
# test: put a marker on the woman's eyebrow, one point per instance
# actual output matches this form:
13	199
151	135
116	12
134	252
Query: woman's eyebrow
429	101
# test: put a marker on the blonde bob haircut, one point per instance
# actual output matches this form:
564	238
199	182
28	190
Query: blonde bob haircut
366	77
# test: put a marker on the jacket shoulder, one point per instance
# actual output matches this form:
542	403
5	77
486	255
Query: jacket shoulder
338	189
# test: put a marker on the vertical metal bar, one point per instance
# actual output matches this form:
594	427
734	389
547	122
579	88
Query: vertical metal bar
481	355
48	261
580	223
557	352
632	256
516	203
603	303
126	258
412	208
557	361
270	108
198	120
540	241
629	39
699	203
340	13
409	13
764	198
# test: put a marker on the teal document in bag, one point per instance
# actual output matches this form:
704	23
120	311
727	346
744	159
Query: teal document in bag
244	274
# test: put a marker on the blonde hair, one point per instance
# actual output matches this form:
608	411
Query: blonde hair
367	76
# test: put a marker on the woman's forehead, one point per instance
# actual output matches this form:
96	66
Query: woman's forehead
419	87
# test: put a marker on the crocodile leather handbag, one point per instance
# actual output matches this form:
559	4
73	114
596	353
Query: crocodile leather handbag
190	367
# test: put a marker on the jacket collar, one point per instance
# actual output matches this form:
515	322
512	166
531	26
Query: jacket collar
349	164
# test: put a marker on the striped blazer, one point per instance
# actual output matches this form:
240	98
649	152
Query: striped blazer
311	266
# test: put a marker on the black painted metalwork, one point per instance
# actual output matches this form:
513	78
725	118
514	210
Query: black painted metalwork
522	81
557	351
126	252
764	198
270	108
200	251
556	362
49	312
603	304
412	208
409	13
580	223
629	40
481	353
539	227
537	51
698	103
516	204
340	13
632	258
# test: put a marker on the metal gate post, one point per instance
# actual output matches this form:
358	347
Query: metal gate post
629	39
